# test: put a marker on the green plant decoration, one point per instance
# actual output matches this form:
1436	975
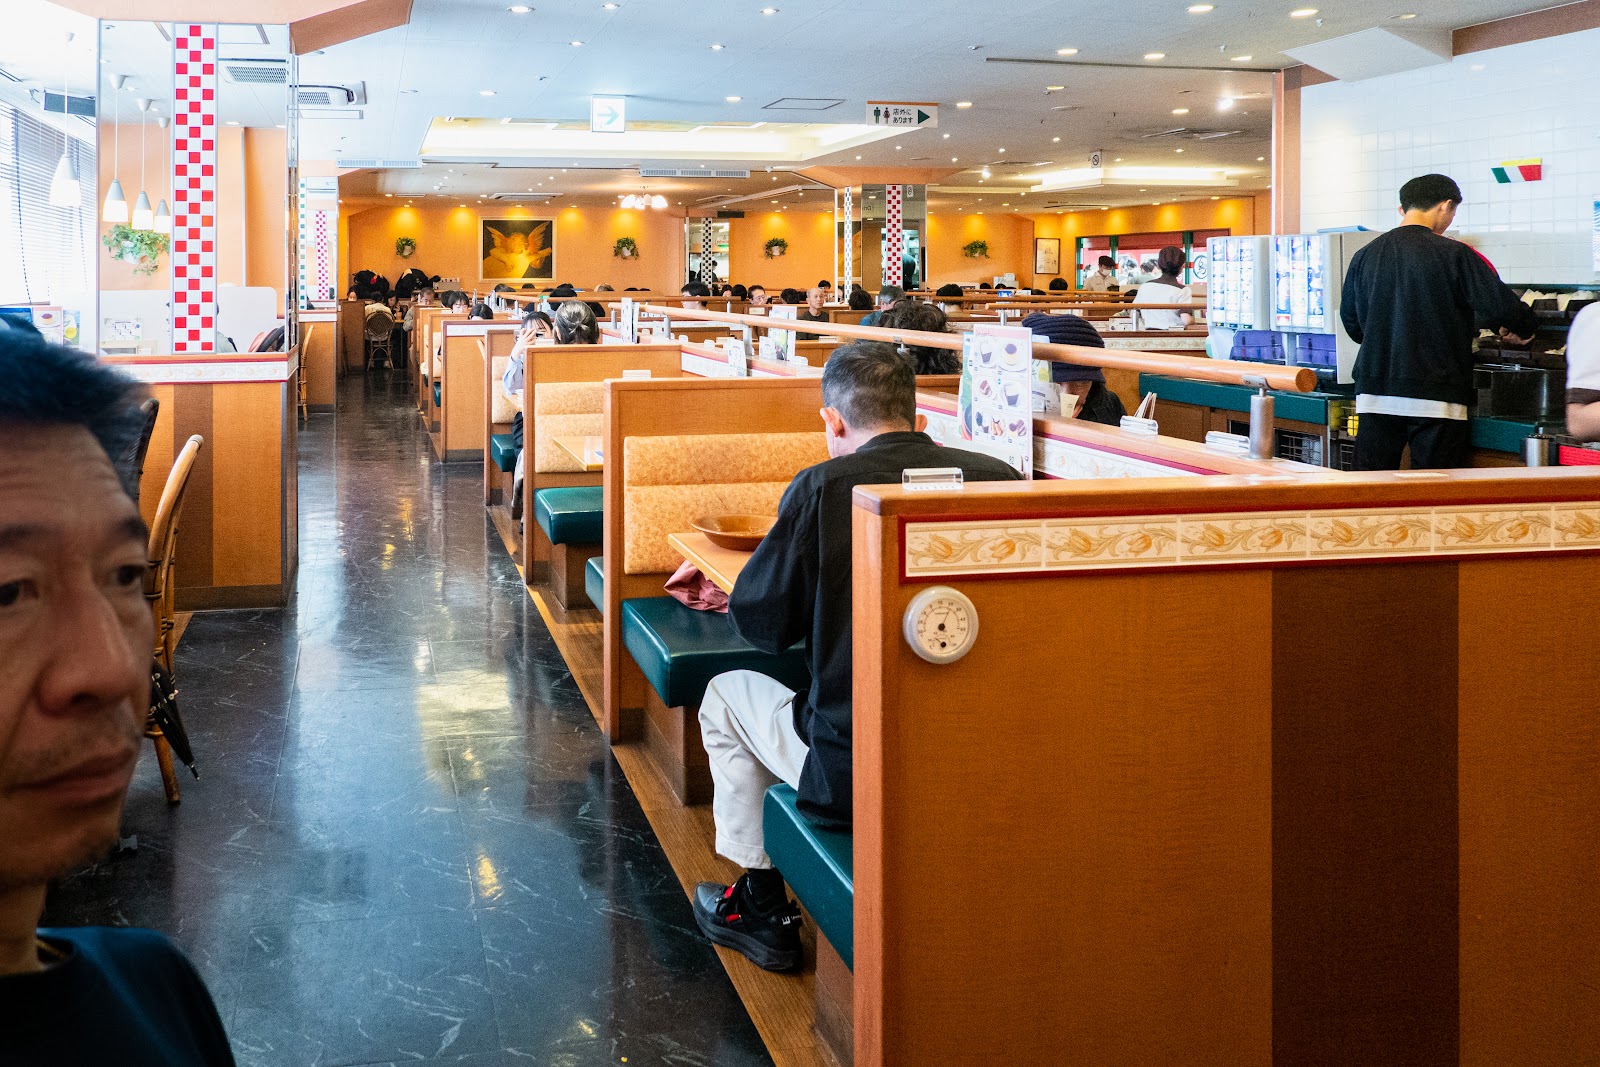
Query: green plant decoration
142	248
775	247
625	248
404	247
976	250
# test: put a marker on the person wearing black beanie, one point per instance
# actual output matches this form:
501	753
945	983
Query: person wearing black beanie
1096	403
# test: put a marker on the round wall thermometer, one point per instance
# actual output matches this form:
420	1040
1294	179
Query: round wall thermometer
941	624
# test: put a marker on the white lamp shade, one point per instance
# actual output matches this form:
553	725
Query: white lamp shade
658	202
163	218
65	190
143	218
115	209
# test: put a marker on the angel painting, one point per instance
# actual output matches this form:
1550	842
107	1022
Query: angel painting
517	250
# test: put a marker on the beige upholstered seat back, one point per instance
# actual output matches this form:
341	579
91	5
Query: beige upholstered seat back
565	409
669	481
503	410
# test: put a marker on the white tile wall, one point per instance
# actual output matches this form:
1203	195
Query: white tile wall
1361	141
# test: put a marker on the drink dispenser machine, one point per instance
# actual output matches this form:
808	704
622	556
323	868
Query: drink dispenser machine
1276	299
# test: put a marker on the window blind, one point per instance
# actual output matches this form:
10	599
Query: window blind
46	253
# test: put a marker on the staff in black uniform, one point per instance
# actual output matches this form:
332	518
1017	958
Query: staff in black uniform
1415	300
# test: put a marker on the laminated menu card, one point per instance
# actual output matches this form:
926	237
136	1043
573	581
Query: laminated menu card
996	398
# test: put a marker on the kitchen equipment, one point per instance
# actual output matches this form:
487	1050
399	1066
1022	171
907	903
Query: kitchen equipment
1541	450
742	533
1522	394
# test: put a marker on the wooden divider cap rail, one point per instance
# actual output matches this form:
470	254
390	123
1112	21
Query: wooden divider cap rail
1283	379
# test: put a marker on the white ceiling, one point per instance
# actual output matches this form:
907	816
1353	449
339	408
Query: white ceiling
657	53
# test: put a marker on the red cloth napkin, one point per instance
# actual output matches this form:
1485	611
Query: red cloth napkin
692	589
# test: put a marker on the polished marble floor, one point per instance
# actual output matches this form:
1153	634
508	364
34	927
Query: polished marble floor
410	841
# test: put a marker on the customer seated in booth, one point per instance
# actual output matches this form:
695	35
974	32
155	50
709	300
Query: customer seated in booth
813	313
797	586
888	296
909	314
574	324
860	300
1096	403
758	296
76	639
699	291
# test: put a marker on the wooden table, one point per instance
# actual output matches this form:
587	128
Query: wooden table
586	450
721	565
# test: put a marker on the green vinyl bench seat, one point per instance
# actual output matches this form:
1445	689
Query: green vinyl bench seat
594	580
571	515
680	650
503	451
818	864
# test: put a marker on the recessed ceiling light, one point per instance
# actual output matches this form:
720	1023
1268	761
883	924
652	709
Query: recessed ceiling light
1002	149
609	7
716	48
233	122
1153	56
519	9
858	157
1216	198
963	103
1180	111
947	137
1403	18
1178	150
952	159
1302	12
733	99
1055	140
1200	9
1117	160
897	147
769	11
485	92
1243	59
1225	104
1054	88
388	194
1066	51
576	44
1261	159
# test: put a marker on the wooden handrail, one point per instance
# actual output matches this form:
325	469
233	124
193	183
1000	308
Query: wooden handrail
1284	379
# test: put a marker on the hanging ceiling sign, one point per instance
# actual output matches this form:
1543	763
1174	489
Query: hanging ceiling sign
910	116
608	114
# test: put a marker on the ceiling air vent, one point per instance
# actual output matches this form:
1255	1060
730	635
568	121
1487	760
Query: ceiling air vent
256	72
685	172
730	174
331	95
803	103
1190	133
526	198
378	164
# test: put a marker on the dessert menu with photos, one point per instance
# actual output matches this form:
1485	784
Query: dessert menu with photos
996	401
782	340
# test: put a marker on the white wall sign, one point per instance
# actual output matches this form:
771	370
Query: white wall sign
909	116
608	114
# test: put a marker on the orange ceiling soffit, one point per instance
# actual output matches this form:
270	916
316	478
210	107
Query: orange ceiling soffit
346	22
313	24
839	177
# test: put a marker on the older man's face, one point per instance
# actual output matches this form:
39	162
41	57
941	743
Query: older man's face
75	641
814	300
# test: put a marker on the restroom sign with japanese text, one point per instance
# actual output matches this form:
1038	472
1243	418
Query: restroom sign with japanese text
910	116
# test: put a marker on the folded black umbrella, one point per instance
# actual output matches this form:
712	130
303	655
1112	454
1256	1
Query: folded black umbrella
164	713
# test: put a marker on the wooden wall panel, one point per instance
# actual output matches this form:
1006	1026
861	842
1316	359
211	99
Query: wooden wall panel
1364	885
1530	811
1136	734
246	448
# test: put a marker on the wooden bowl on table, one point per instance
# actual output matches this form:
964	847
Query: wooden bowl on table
741	533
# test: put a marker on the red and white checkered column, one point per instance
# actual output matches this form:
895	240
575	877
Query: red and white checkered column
894	238
194	188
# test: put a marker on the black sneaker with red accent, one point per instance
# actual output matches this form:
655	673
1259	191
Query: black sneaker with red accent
727	915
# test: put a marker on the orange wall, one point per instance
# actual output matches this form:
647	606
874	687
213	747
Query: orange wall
1010	240
447	243
266	190
1239	215
115	274
810	254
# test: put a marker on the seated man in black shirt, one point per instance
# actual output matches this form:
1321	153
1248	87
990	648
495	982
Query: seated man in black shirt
75	639
797	585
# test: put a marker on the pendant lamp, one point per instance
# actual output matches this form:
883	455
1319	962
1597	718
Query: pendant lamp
115	208
142	218
65	189
163	220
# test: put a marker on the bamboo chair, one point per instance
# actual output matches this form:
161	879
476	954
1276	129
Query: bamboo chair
159	590
300	375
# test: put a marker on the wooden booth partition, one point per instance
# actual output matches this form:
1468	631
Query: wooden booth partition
461	415
352	335
686	407
319	359
546	465
238	537
1236	772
